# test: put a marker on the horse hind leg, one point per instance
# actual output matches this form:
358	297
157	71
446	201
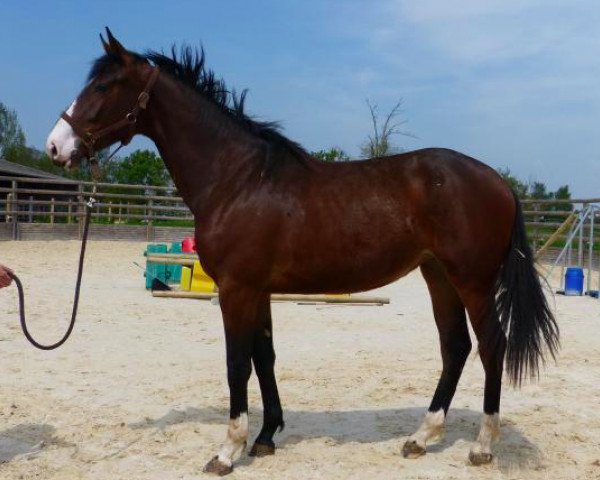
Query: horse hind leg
455	343
492	347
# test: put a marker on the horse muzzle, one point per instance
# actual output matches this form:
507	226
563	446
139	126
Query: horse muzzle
63	146
70	162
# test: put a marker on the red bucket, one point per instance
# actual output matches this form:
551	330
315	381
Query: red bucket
188	245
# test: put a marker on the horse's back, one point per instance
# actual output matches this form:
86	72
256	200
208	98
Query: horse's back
359	225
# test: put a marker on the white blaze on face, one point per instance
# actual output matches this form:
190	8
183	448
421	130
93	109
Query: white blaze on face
62	140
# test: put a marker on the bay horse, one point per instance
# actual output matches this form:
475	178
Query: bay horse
270	218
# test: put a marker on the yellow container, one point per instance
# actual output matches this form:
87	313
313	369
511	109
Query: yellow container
201	282
186	278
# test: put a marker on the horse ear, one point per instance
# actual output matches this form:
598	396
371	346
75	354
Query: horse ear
114	47
104	44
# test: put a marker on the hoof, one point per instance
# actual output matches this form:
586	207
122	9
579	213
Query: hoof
262	449
480	458
412	449
216	467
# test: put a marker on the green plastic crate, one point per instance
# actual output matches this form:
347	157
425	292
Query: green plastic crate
155	270
174	271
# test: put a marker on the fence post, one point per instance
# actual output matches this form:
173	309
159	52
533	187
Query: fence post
52	207
15	216
536	229
69	211
591	249
80	210
580	245
149	218
30	208
8	208
598	270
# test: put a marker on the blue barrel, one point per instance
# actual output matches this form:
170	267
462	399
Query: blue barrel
574	281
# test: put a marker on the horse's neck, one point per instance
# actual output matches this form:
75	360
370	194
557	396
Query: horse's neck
201	156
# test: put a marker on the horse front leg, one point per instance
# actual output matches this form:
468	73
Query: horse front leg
239	307
263	356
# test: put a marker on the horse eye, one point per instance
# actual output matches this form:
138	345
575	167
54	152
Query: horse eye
101	87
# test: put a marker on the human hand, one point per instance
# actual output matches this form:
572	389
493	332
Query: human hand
5	276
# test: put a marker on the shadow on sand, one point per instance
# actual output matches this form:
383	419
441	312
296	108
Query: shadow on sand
368	426
27	440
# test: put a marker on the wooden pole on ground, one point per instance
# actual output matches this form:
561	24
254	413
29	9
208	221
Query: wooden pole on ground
276	297
173	259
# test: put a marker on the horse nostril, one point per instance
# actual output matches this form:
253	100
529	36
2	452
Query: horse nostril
53	151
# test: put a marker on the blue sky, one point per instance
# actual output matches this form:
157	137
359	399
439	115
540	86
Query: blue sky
513	83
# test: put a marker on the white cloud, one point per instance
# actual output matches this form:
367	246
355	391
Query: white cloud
476	32
514	82
442	11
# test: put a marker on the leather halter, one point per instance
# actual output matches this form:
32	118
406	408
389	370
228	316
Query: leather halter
89	138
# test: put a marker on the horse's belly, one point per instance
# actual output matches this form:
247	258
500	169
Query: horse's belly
349	272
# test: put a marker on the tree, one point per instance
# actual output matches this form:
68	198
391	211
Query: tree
11	133
379	144
142	167
517	186
538	191
334	154
562	193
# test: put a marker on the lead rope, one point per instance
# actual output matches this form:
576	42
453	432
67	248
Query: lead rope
88	214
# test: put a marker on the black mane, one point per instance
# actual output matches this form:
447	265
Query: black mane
188	66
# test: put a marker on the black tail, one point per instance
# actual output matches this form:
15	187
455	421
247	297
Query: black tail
525	317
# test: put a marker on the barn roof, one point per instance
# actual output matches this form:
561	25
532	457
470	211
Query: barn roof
16	170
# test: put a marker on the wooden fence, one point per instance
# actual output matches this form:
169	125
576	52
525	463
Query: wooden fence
37	209
32	208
